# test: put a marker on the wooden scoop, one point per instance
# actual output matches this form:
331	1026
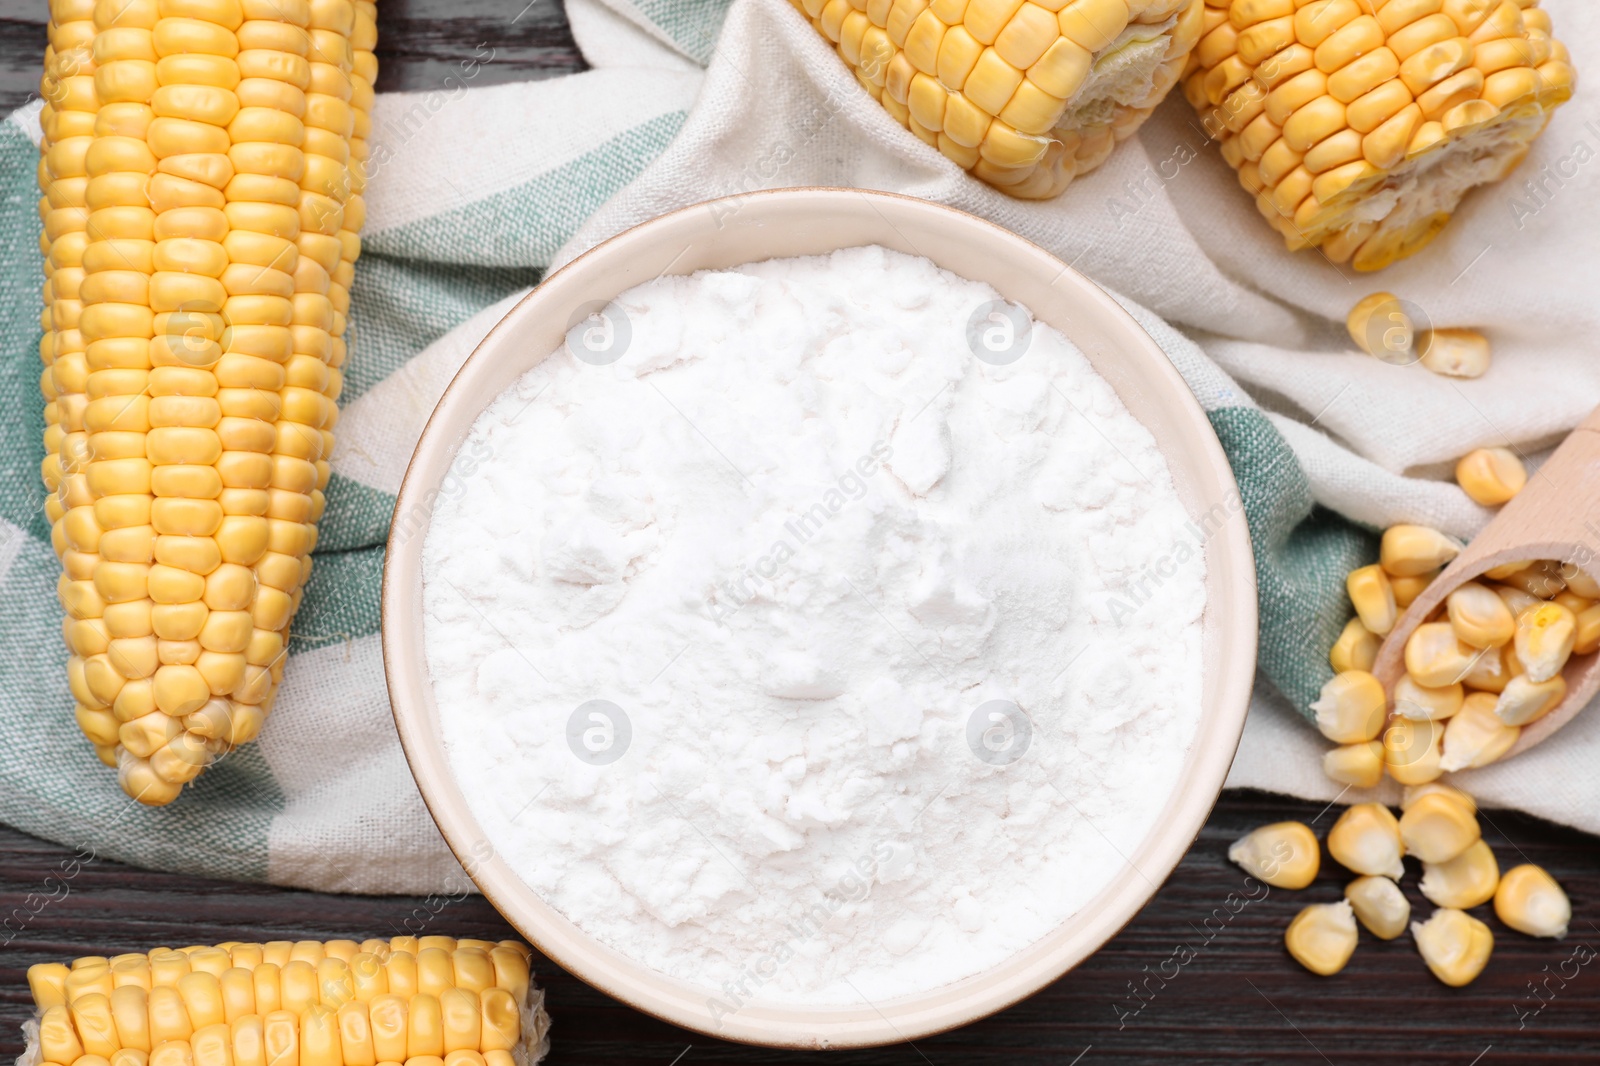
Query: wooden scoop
1555	516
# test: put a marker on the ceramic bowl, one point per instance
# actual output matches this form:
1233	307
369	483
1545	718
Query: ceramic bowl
796	222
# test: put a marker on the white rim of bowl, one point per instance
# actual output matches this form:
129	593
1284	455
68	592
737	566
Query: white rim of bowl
1229	652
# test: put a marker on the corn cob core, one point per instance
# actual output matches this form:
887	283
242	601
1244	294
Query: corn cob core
429	1001
1025	94
1359	125
202	168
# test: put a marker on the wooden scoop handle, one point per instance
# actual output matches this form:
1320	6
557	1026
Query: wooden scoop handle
1555	516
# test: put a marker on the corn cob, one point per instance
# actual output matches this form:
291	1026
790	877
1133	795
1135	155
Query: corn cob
202	169
1025	94
1358	125
429	1001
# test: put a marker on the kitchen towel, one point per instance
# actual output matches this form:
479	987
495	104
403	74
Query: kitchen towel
478	190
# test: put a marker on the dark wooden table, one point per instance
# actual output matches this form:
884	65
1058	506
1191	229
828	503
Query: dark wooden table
1199	976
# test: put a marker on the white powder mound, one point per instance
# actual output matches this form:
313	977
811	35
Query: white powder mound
897	651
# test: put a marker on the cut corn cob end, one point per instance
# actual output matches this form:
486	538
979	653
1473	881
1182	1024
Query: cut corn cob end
1358	128
1024	95
202	167
428	1001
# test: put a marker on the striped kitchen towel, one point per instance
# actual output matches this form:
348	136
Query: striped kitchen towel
478	191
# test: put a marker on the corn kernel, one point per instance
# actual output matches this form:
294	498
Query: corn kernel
1479	617
1491	476
1412	794
1409	551
1366	840
1455	945
1523	701
1586	638
1545	636
1463	882
1351	707
1360	765
1412	700
1356	648
1541	579
1284	854
1476	736
1435	657
1380	327
1457	353
1530	901
1379	905
1373	598
1322	937
1407	589
1580	582
1491	669
1413	750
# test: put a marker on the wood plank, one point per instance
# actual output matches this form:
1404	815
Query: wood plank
1238	1000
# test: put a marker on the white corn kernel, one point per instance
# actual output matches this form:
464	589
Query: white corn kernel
1366	840
1491	476
1476	736
1373	598
1479	617
1438	826
1465	881
1435	657
1413	750
1530	901
1351	707
1356	648
1322	937
1284	854
1454	944
1523	701
1457	353
1380	906
1412	700
1360	765
1544	639
1410	551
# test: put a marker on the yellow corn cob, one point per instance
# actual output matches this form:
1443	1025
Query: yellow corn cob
1340	115
1025	94
433	1001
203	164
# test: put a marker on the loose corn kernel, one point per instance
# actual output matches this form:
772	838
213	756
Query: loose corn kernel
1523	702
1366	840
1463	882
1373	598
1322	937
1284	854
1379	905
1412	700
1410	551
1435	656
1413	750
1411	795
1457	353
1360	765
1545	636
1380	327
1491	476
1356	648
1530	901
1479	617
1454	944
1351	707
1476	736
